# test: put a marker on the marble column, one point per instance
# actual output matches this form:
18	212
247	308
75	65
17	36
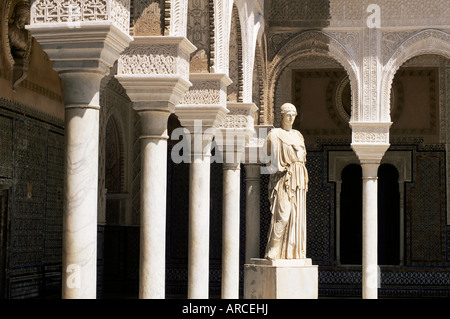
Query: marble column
230	230
79	235
252	211
234	134
370	141
199	220
154	97
153	205
370	230
254	161
81	63
201	111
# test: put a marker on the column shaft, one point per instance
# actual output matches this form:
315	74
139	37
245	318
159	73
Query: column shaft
81	99
230	231
79	276
153	218
370	231
252	211
198	247
152	267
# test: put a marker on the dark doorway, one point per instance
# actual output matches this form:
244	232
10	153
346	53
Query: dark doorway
388	215
351	215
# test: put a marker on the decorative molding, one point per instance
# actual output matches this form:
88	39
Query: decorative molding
310	43
241	116
209	89
178	17
91	47
368	109
370	133
235	70
429	41
75	12
156	55
370	140
236	129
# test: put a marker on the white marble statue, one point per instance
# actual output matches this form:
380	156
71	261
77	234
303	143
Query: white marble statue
288	185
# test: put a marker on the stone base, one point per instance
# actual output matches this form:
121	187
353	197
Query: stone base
281	279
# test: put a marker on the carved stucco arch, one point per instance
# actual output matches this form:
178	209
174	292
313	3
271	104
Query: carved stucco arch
317	43
430	41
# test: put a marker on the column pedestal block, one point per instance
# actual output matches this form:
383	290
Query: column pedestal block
281	279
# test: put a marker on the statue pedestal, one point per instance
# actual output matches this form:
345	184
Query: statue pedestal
281	279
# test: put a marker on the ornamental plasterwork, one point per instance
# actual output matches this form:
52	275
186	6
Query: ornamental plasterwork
430	41
391	40
156	59
199	33
77	11
311	43
235	65
370	135
146	17
204	92
221	35
352	13
238	118
178	18
368	110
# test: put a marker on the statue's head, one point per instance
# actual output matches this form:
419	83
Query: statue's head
288	115
288	107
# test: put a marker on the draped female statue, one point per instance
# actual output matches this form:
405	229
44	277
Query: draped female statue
288	185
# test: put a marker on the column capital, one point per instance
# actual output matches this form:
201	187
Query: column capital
154	70
207	89
235	131
89	47
370	140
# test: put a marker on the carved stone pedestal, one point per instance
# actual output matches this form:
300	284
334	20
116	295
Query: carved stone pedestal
281	279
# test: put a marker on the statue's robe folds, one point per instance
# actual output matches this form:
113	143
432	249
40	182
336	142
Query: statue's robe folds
288	185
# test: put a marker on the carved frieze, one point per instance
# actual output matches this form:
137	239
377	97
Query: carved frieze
155	59
240	116
203	92
75	12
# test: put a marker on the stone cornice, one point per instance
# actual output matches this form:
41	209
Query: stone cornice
93	46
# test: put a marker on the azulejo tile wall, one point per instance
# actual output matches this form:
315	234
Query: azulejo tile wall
32	170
